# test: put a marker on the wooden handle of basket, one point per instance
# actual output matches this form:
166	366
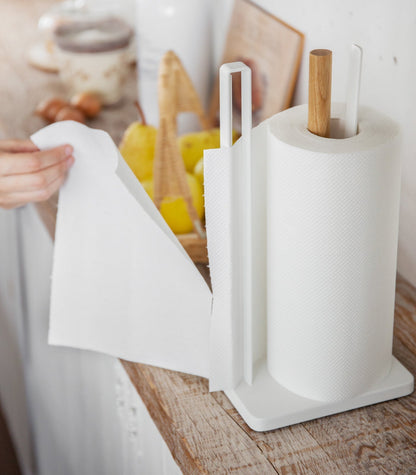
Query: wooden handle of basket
176	94
320	77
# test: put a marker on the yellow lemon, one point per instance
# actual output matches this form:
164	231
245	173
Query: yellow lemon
138	149
174	209
148	186
192	145
199	171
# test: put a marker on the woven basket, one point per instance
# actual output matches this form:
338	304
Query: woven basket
177	94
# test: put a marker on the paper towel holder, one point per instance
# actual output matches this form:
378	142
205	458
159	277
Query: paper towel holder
226	128
262	402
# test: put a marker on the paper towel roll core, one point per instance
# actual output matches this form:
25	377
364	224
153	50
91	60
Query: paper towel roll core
333	207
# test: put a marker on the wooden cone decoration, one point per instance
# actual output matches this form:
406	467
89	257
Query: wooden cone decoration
176	94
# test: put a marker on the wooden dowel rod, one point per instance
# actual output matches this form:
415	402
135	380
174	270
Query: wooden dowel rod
320	77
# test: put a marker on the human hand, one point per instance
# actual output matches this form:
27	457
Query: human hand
28	174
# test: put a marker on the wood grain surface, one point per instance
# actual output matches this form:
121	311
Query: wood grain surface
320	82
374	439
203	431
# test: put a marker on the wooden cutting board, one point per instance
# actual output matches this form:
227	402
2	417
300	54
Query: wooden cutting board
273	51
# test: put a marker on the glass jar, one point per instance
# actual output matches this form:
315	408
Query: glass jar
93	56
42	54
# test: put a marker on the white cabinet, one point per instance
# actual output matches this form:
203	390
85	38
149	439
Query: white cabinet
12	342
87	417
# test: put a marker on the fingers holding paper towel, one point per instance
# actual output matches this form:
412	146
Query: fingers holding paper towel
15	146
27	174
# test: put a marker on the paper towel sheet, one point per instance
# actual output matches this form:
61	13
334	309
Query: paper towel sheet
333	207
121	283
226	338
224	211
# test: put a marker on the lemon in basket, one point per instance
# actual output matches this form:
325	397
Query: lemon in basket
174	209
199	171
138	149
192	146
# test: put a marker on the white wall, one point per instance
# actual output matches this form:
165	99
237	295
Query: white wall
386	29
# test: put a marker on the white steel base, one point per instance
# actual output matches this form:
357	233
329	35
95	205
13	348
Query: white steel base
267	405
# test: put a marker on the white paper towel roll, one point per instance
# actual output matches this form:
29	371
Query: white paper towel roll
332	240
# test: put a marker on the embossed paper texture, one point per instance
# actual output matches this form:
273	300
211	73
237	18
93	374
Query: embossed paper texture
121	283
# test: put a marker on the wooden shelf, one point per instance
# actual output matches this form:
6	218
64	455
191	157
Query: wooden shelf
207	435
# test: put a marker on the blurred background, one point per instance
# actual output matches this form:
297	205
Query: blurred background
74	412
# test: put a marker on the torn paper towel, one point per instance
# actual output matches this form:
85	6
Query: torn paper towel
122	284
224	208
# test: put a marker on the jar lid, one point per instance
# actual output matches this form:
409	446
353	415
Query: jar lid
87	36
